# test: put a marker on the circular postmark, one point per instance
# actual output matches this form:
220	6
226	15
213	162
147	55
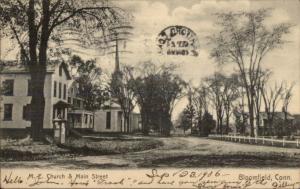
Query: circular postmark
178	40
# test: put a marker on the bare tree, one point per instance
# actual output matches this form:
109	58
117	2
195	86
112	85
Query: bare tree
262	80
199	101
216	88
245	41
286	99
45	21
229	95
287	96
271	98
239	107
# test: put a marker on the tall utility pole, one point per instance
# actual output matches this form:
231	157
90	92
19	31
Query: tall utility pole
0	45
117	60
120	33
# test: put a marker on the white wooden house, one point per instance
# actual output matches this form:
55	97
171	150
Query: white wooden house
15	81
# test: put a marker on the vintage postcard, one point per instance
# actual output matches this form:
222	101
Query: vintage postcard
150	94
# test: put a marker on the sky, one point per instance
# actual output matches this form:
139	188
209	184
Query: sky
152	16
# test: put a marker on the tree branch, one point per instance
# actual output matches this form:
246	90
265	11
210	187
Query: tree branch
23	51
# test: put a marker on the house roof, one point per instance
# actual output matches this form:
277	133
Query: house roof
62	104
297	117
13	67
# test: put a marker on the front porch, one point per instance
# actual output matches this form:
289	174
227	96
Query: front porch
81	119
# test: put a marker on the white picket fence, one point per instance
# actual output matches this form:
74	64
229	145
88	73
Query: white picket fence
257	140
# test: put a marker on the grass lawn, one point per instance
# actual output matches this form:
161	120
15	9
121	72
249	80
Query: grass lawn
27	150
89	146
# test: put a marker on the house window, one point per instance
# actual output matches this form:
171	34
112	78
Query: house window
26	112
91	121
63	113
108	117
59	90
60	70
29	88
65	91
78	103
55	86
8	111
8	87
59	113
86	118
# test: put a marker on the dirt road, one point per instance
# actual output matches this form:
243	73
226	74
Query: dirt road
179	152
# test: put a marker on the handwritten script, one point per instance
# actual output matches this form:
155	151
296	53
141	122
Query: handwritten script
183	178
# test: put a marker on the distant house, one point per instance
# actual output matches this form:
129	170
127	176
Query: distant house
297	123
78	116
279	118
110	119
16	96
135	122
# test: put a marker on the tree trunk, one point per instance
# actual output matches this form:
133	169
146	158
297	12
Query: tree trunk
145	128
251	119
257	121
128	123
38	74
227	123
221	127
37	67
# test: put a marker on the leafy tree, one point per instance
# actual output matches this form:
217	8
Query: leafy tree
43	22
207	124
91	88
156	90
245	40
187	118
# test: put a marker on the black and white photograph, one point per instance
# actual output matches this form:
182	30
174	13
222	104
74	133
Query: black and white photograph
150	94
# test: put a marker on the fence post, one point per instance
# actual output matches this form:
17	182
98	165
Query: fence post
272	140
249	139
244	138
255	139
263	140
297	143
283	142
